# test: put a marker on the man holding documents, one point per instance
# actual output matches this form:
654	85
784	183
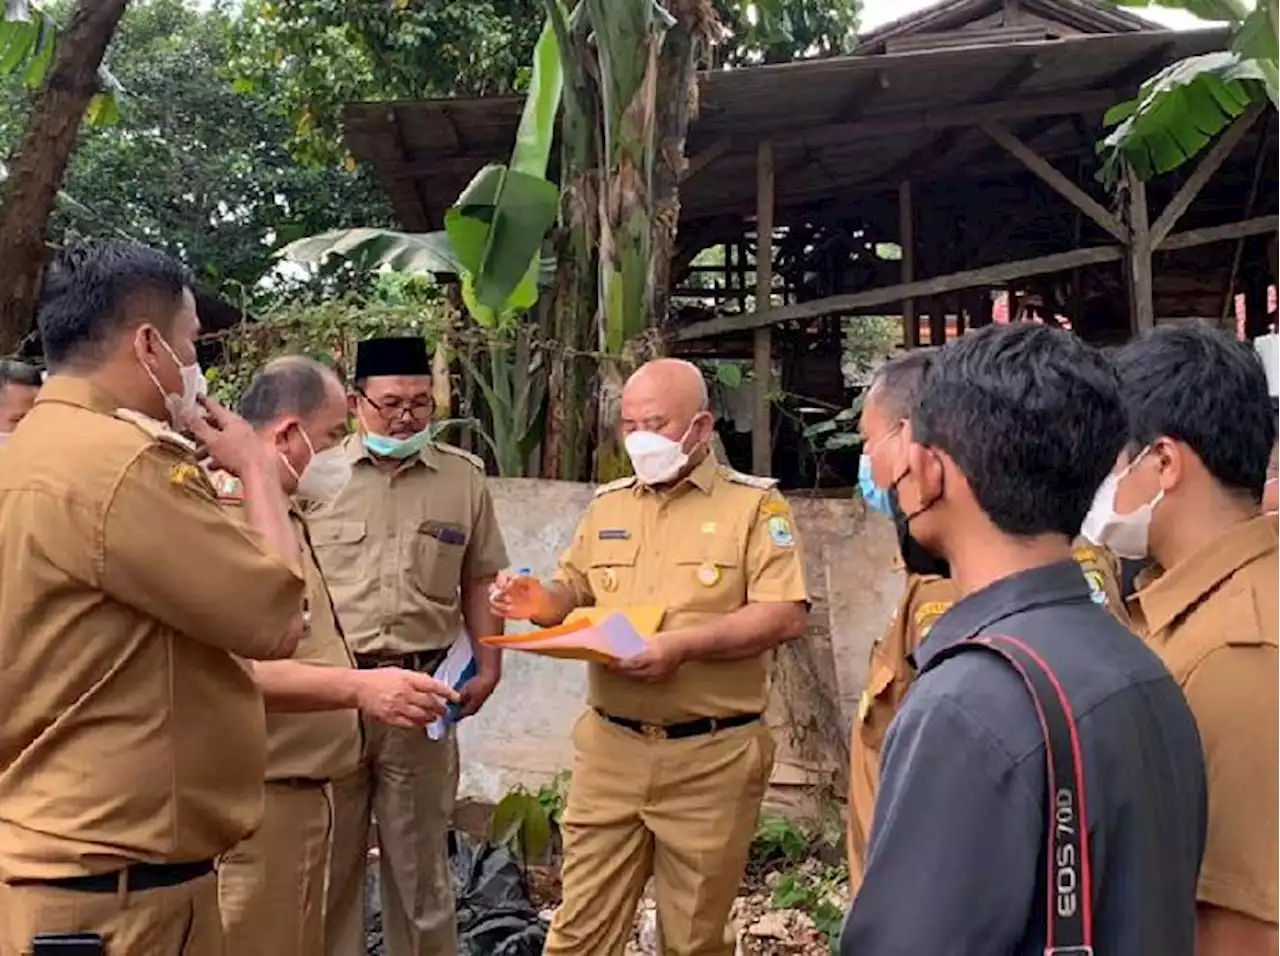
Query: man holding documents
408	549
672	758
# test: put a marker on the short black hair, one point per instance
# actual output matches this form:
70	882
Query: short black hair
1199	386
86	292
1032	417
293	385
898	381
13	372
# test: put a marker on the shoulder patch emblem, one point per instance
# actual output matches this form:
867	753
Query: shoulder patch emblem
616	485
475	460
184	473
927	614
751	481
1097	586
780	532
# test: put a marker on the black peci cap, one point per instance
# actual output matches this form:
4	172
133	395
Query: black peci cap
405	355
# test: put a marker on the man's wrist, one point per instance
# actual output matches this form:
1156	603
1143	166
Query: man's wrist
352	685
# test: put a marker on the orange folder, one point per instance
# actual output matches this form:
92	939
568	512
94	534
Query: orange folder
589	634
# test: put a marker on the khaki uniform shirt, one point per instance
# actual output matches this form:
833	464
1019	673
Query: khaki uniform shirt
1213	619
322	745
713	543
397	546
890	673
132	730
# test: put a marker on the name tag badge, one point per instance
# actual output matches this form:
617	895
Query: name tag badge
445	533
614	534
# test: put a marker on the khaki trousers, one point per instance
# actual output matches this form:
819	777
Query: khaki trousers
170	921
682	810
408	783
271	885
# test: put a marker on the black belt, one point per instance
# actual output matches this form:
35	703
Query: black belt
137	877
688	728
1069	879
424	662
299	783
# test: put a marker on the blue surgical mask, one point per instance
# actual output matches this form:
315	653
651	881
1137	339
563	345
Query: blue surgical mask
384	446
877	498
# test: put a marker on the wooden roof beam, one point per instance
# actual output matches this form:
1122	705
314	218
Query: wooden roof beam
1183	198
1056	180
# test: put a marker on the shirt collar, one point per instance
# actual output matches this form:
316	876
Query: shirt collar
702	476
70	390
1048	584
1175	591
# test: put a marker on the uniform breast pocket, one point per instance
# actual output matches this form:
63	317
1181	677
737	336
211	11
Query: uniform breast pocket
611	570
439	548
708	575
341	548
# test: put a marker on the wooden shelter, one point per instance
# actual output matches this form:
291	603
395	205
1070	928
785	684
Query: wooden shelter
961	137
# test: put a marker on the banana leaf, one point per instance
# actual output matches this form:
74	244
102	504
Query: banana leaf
429	252
1178	112
500	220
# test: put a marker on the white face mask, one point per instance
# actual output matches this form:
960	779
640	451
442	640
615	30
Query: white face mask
656	458
325	475
1124	535
194	388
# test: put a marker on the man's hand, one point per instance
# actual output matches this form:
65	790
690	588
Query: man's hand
227	438
475	692
402	698
519	597
661	658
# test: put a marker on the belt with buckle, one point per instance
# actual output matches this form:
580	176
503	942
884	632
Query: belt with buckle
688	728
424	662
136	876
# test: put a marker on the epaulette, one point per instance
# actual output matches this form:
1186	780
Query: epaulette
156	430
475	460
751	481
616	485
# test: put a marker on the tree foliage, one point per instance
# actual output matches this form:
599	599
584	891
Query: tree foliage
192	165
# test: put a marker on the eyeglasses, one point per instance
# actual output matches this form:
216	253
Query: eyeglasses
392	408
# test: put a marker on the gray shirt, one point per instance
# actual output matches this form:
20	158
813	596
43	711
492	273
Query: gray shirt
956	863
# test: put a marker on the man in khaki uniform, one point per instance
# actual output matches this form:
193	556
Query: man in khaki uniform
408	550
1186	492
672	759
928	594
271	885
132	747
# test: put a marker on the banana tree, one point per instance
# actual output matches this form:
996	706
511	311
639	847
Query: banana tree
1179	110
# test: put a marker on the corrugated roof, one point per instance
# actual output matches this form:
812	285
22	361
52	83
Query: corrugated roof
841	127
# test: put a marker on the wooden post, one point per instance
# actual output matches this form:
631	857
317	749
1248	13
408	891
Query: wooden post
1142	314
937	321
907	241
762	339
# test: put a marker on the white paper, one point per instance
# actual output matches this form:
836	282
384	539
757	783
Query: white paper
458	667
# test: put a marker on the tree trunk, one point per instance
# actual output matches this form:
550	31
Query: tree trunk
570	418
683	50
38	164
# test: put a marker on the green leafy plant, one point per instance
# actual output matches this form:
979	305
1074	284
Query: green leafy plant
815	892
1180	109
554	795
837	432
521	824
778	840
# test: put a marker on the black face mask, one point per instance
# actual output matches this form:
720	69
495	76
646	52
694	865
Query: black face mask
915	556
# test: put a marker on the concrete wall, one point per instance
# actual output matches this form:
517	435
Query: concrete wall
522	735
